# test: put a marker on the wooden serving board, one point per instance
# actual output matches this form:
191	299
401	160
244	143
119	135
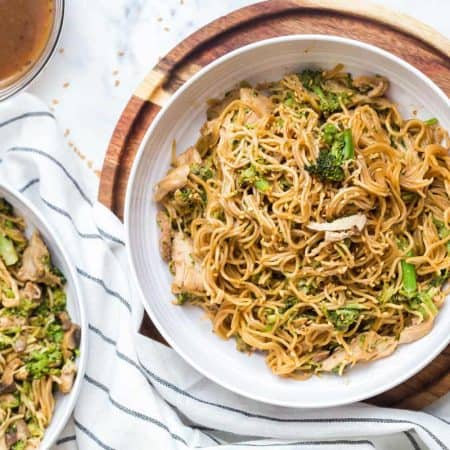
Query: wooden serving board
411	40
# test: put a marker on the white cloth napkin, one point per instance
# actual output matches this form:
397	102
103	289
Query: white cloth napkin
138	394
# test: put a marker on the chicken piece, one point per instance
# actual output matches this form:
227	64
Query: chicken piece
336	236
415	332
188	271
71	340
356	222
33	444
320	356
31	291
23	433
382	346
190	156
216	107
175	179
67	377
9	321
165	237
8	373
259	103
36	263
20	344
65	320
375	86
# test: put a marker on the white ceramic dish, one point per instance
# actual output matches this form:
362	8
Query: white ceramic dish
35	221
181	119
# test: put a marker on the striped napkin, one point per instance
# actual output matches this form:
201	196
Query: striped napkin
138	394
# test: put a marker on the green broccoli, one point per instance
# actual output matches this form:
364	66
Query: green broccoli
329	101
5	207
329	132
409	277
432	121
19	445
7	251
343	318
327	167
41	362
204	172
423	301
288	304
252	177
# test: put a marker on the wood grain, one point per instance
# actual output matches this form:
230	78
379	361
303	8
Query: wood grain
401	35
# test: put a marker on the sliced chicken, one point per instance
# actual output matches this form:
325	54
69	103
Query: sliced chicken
190	156
259	103
31	291
188	271
67	377
216	107
375	86
376	347
336	236
414	332
356	222
36	263
165	237
175	179
9	321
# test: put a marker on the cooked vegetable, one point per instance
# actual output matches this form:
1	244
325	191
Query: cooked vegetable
432	121
7	251
328	166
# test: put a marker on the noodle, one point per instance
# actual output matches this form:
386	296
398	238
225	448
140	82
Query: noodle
311	222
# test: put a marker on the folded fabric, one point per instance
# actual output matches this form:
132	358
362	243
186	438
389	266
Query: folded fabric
138	394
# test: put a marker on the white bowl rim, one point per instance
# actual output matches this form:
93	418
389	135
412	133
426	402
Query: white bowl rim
78	299
166	334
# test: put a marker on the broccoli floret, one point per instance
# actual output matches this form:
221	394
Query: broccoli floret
343	318
251	177
288	304
310	78
327	167
59	301
204	172
328	164
423	302
329	101
5	207
329	132
41	362
19	445
55	332
443	232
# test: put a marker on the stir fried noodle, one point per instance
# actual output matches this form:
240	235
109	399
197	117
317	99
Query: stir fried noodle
38	341
311	222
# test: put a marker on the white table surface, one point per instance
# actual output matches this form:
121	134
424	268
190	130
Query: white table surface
107	46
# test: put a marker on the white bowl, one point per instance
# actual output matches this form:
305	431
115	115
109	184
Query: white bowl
181	119
35	221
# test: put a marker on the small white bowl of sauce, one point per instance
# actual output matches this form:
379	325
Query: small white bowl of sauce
29	32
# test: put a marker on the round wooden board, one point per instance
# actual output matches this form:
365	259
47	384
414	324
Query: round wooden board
411	40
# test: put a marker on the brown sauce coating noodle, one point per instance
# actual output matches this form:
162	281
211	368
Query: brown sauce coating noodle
312	300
